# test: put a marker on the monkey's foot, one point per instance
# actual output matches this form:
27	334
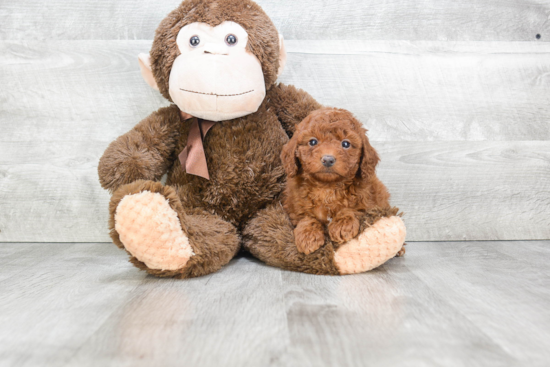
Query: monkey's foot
269	236
373	247
151	231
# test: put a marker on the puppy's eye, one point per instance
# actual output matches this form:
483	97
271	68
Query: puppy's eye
194	41
231	39
313	142
346	144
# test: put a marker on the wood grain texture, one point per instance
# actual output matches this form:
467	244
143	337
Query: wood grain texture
488	304
72	91
431	90
400	312
54	323
225	319
469	190
63	102
468	20
387	317
51	190
446	304
82	90
448	190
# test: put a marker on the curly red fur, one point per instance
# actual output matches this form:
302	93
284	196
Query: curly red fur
334	197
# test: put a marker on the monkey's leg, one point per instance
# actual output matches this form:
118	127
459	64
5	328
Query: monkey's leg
269	237
148	220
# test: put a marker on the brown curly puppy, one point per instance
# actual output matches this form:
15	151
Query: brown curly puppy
331	178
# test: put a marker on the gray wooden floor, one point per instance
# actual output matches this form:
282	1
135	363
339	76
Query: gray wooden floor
444	304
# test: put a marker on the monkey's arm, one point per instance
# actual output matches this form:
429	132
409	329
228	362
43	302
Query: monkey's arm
291	105
145	152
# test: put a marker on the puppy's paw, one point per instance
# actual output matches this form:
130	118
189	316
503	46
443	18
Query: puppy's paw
309	236
343	229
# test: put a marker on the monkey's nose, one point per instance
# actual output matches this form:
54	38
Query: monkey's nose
328	160
215	48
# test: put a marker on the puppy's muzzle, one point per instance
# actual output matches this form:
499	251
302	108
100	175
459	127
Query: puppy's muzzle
328	160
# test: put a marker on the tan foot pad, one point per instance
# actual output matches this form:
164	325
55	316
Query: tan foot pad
151	231
376	245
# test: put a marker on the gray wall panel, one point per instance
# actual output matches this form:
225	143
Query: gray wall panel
467	20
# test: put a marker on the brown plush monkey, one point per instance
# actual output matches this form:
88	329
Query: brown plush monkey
220	143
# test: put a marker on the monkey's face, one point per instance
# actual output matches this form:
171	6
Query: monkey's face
215	77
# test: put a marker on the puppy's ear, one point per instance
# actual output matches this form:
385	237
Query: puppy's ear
288	157
369	158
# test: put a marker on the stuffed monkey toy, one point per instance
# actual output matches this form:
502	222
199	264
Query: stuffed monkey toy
219	143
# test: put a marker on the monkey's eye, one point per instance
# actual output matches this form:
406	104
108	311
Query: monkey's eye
346	144
231	39
194	41
313	142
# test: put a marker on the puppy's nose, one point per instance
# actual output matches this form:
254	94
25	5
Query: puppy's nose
328	160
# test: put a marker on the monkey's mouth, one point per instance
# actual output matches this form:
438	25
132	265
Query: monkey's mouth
218	95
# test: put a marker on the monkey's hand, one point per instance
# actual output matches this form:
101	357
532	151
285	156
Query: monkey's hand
126	160
142	153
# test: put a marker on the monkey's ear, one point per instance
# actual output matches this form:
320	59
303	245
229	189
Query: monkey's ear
288	157
146	72
282	55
